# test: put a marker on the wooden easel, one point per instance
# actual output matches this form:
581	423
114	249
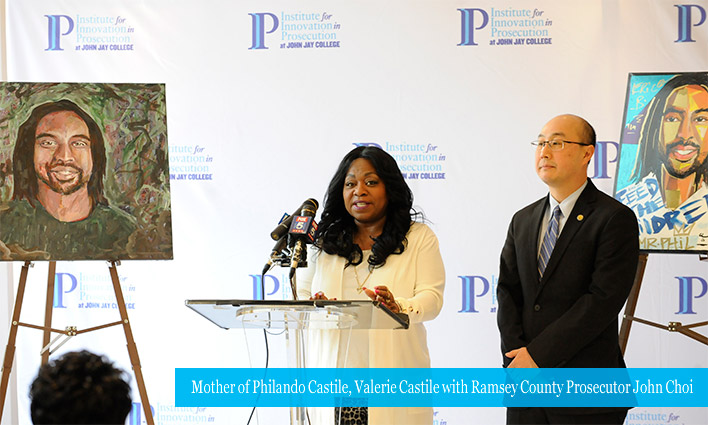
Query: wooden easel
632	305
70	332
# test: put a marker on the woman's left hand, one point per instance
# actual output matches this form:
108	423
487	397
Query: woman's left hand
383	295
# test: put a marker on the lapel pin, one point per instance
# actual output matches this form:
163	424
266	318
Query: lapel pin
580	217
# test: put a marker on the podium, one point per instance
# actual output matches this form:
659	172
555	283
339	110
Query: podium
297	316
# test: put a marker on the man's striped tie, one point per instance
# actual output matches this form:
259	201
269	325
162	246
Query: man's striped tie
549	240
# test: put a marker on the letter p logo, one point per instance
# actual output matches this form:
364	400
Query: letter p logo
686	293
54	30
257	292
59	288
685	21
358	144
469	294
259	31
136	412
468	27
601	159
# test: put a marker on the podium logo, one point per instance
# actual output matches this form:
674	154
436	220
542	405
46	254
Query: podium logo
687	284
58	26
687	15
475	289
259	24
601	159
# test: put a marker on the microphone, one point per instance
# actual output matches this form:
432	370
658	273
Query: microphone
280	254
308	208
302	231
276	255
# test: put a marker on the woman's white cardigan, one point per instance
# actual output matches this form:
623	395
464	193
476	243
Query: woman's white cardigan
417	280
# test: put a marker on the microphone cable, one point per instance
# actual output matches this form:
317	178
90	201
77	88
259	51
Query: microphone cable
265	337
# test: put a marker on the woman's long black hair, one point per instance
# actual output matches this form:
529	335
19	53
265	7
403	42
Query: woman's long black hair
335	234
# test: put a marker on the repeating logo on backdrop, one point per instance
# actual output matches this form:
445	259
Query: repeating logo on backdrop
275	287
417	161
90	291
438	419
691	288
426	161
295	30
505	26
479	294
690	16
169	414
653	416
606	154
191	162
92	33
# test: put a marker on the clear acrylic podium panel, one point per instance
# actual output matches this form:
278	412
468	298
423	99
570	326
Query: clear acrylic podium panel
329	314
295	317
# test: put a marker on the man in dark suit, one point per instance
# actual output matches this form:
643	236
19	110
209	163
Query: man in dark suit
566	270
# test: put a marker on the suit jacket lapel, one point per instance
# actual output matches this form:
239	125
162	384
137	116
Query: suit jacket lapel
531	244
582	209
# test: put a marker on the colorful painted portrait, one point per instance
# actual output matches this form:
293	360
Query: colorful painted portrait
662	172
84	172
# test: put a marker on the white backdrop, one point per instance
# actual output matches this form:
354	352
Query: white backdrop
257	125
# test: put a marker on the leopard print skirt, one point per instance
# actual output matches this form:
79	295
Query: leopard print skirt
351	416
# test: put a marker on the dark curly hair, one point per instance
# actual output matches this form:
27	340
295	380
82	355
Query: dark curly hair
25	178
80	388
335	234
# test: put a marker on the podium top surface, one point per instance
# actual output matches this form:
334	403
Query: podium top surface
305	314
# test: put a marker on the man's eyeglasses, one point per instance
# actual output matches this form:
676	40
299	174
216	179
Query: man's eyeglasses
555	144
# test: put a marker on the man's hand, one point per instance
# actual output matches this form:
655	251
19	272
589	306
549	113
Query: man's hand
522	358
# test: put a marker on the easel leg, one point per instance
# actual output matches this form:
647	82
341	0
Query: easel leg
132	349
632	302
48	309
12	337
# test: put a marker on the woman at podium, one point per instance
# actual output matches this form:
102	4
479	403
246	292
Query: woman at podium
370	245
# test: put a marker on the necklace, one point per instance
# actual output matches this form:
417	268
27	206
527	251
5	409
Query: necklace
360	285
